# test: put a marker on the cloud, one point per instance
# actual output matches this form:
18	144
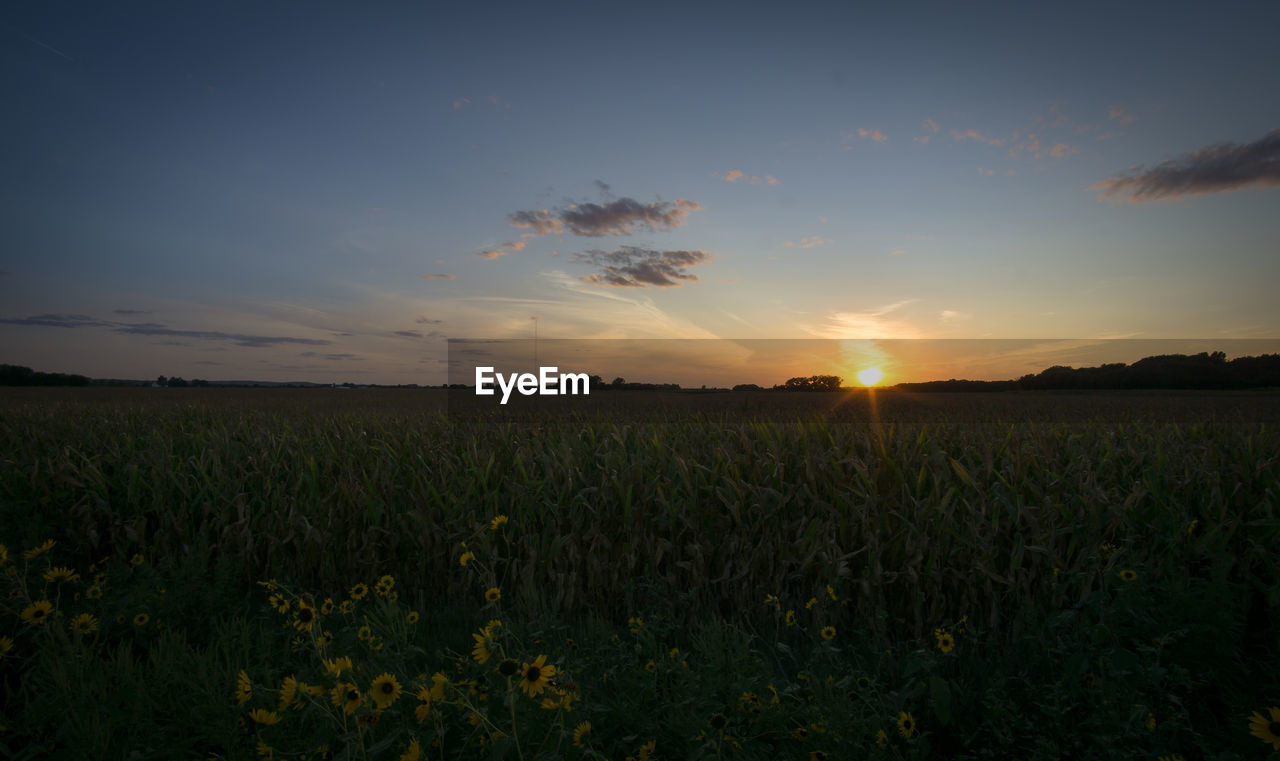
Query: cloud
437	276
129	312
930	125
923	139
809	242
733	175
871	323
409	333
330	357
154	329
632	267
1118	113
492	253
950	315
428	321
973	134
1220	168
461	103
619	217
873	134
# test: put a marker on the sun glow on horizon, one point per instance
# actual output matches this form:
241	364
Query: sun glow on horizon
870	376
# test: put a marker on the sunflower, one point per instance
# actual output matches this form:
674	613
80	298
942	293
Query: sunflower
37	612
305	618
791	618
498	522
359	591
85	623
828	633
438	683
36	552
413	752
61	574
467	557
831	591
812	602
244	687
364	633
94	592
345	696
579	732
423	709
493	594
1128	574
800	733
326	607
288	692
137	560
278	603
384	691
536	676
6	644
338	665
481	651
384	585
651	667
412	618
646	750
508	667
141	619
347	607
635	624
882	739
946	642
906	725
1264	730
264	717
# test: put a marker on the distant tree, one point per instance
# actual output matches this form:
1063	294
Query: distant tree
813	383
162	381
747	387
617	382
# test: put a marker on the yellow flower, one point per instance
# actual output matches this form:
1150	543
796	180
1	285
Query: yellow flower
141	619
36	552
438	682
579	732
94	592
37	612
61	574
244	688
384	586
137	560
423	709
412	618
326	607
4	554
791	618
345	696
364	633
359	591
906	725
646	750
338	665
467	557
946	642
481	650
493	594
770	600
384	691
651	667
812	602
831	591
288	692
305	618
635	624
6	644
413	752
346	607
266	718
536	676
828	632
1264	730
1128	574
497	522
882	739
85	623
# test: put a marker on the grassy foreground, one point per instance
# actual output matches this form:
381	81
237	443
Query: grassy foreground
814	576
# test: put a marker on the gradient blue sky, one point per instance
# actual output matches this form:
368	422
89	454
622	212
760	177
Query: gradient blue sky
323	191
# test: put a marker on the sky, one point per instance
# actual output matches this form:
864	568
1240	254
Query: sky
329	192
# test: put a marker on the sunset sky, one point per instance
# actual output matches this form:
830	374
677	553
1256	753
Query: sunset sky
327	192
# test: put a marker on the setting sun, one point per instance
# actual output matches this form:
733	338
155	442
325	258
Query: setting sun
870	376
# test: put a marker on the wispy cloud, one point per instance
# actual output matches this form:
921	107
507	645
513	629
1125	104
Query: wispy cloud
811	241
872	323
618	217
975	135
1118	113
1217	169
861	133
437	276
154	329
632	267
733	175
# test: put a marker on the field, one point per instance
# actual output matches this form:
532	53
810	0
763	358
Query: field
806	576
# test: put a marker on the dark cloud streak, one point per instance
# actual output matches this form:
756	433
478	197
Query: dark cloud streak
632	267
1217	169
620	217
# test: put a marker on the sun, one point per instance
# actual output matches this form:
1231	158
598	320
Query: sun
870	376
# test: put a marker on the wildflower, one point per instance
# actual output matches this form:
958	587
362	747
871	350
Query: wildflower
1264	730
1191	527
305	618
384	691
828	633
1107	550
359	591
832	592
137	560
536	676
635	624
423	709
1151	721
345	696
651	667
85	623
579	732
800	733
791	618
776	699
347	607
749	702
413	752
384	586
946	642
467	557
266	751
324	640
37	612
264	717
94	592
493	594
141	619
497	522
288	692
481	650
864	682
278	603
812	602
326	607
244	688
1128	574
770	600
646	750
438	683
61	574
906	725
882	739
338	665
673	653
36	552
364	633
412	618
